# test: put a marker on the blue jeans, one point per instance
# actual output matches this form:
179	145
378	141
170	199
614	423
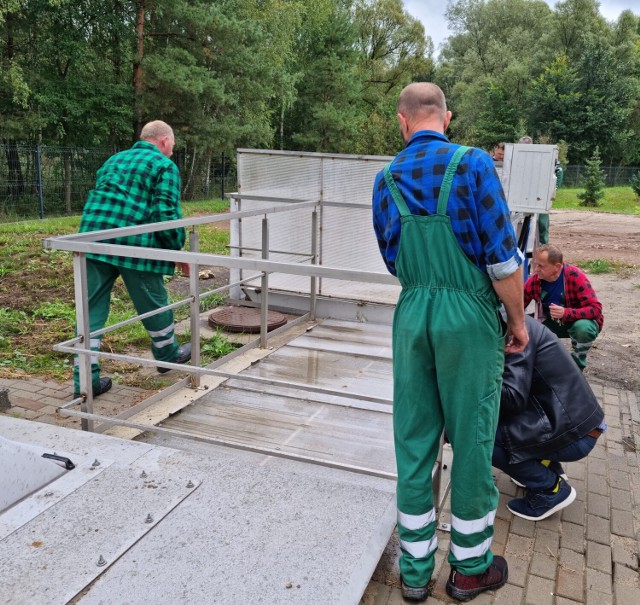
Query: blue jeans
532	473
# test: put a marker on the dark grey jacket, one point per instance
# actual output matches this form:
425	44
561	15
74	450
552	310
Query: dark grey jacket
546	402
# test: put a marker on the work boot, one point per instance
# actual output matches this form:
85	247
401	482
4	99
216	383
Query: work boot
409	593
540	504
104	386
465	588
184	355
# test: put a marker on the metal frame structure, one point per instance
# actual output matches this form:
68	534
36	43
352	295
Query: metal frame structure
87	243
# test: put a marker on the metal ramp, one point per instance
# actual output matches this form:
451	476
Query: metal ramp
322	428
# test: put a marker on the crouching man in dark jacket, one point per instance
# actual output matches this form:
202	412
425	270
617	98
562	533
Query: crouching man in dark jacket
548	415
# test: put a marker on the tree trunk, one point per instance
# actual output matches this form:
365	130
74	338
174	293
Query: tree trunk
137	72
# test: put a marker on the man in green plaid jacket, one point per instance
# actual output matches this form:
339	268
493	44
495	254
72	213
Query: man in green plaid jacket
135	187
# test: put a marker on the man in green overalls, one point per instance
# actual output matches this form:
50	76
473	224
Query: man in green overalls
443	228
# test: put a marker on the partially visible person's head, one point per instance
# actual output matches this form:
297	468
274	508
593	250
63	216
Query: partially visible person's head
498	152
526	140
160	134
548	262
422	106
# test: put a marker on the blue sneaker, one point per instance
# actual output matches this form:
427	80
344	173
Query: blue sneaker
537	505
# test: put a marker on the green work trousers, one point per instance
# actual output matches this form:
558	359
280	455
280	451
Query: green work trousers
147	292
582	333
448	357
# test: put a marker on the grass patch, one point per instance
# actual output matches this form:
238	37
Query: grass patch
600	265
618	200
37	307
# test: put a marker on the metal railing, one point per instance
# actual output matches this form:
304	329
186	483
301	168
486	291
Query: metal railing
82	244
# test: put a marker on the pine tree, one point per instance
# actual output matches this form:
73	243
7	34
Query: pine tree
594	182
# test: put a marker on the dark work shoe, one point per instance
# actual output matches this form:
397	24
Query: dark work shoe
465	588
105	385
537	505
417	595
184	355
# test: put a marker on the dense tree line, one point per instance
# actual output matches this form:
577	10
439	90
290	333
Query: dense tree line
315	76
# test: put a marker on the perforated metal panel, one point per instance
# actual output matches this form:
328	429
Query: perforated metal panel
345	234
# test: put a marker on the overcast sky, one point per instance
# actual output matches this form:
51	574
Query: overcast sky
431	13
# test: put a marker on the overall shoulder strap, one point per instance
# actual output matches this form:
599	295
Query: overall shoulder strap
395	192
447	181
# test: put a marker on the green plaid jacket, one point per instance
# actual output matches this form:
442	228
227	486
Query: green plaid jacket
136	187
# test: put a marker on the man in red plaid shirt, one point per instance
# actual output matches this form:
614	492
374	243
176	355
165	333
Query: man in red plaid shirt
565	300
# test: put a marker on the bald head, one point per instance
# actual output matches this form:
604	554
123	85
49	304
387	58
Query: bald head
160	134
422	106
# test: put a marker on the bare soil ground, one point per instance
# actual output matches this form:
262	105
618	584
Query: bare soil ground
615	357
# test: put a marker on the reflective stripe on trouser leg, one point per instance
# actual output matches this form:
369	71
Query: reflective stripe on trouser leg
161	339
417	424
100	279
470	360
419	543
582	333
148	293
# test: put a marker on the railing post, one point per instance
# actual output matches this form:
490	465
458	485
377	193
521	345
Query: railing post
194	243
264	298
314	261
39	177
84	331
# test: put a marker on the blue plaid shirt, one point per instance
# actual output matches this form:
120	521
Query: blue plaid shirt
477	207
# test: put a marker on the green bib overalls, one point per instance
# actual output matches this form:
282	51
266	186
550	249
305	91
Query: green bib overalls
448	357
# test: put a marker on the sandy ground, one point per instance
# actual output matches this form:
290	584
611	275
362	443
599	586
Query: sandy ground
615	357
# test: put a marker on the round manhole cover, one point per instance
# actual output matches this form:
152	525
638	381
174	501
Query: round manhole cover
244	319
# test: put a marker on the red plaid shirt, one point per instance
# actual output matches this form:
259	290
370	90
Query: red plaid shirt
581	300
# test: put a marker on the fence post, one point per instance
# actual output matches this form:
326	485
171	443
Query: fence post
222	178
39	169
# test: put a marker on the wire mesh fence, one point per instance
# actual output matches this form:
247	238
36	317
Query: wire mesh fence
43	181
614	176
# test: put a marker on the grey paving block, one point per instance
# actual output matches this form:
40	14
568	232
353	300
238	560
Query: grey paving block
620	499
598	505
540	591
518	552
598	580
599	557
572	536
598	529
619	479
547	541
596	466
544	565
27	386
575	513
570	583
522	527
576	470
509	594
622	523
500	531
551	523
594	597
